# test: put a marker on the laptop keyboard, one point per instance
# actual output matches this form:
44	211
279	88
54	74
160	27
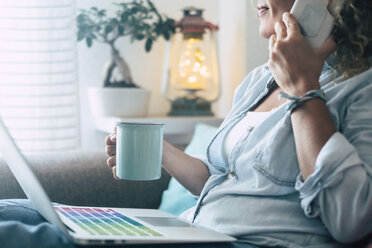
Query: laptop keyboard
105	222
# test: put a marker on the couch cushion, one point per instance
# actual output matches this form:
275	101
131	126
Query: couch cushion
176	198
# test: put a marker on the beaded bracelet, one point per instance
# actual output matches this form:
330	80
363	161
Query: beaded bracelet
297	101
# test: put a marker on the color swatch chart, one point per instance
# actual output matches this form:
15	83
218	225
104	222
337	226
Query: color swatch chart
105	222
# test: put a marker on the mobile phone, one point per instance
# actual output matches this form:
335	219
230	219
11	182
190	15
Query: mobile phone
315	21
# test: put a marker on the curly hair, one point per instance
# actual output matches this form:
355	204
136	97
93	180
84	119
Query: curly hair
353	35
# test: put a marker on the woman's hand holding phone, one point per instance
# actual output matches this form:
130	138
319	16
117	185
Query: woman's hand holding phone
295	65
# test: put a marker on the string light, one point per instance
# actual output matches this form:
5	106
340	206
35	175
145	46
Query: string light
192	67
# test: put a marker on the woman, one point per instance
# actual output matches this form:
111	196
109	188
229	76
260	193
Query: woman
294	172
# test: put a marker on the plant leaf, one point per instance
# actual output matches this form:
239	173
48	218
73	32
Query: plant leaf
166	34
114	21
81	18
148	44
108	29
134	10
101	13
140	36
121	30
81	34
89	41
124	17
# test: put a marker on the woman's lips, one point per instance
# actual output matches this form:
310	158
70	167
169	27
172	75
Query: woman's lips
262	10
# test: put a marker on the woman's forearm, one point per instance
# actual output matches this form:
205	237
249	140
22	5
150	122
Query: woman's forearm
312	127
190	172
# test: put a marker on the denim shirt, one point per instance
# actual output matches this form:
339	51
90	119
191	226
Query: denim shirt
258	194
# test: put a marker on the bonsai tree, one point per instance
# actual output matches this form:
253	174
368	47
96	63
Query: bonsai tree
139	20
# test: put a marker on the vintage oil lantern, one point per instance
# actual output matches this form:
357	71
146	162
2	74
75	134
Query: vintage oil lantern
191	74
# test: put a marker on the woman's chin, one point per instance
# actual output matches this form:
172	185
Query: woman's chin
264	33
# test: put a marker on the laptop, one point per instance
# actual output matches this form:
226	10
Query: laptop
102	226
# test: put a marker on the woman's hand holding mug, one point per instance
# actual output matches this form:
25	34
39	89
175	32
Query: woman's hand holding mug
111	152
134	150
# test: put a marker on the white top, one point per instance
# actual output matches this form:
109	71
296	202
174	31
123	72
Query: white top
249	121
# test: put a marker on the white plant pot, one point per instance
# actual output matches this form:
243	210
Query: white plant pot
118	102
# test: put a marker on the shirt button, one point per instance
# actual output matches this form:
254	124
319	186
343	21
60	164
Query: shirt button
250	128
